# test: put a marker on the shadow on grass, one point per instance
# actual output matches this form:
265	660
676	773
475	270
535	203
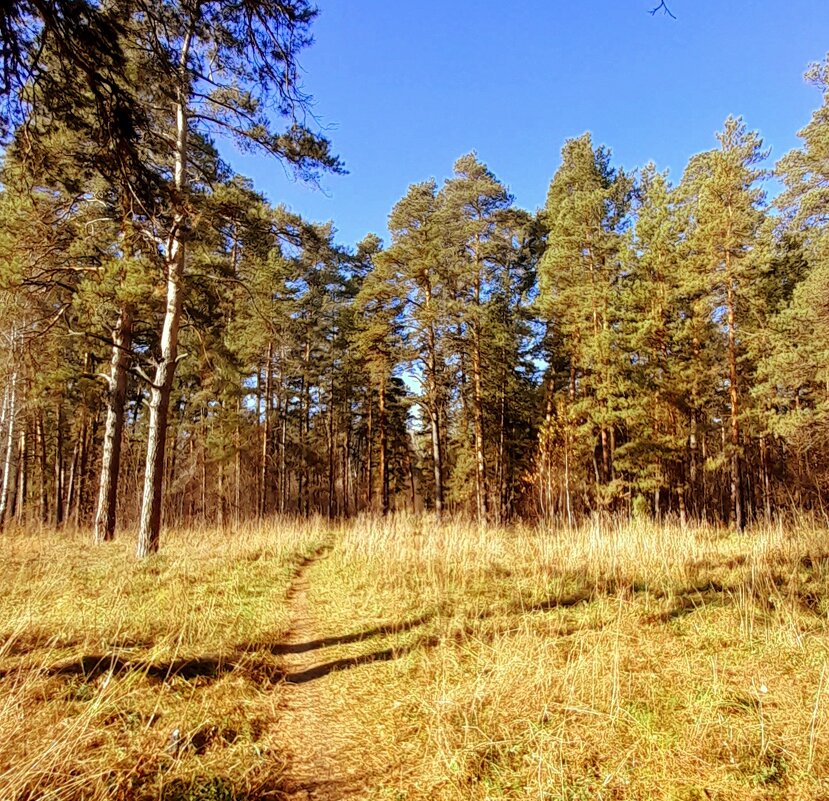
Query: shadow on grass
386	655
279	648
243	658
91	666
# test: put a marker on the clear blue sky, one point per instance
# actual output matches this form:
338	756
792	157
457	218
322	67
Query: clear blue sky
405	88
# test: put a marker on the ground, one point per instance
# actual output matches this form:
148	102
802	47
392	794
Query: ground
411	659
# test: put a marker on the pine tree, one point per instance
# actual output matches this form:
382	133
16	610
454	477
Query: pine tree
254	58
579	272
378	339
726	220
416	253
476	249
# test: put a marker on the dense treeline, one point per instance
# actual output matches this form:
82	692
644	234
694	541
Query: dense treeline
176	348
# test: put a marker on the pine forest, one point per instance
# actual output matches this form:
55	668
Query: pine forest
224	431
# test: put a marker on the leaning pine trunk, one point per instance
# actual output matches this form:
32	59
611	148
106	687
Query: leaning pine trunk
114	428
150	525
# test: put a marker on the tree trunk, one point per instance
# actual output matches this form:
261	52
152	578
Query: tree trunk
71	491
306	428
59	507
331	454
264	456
482	493
83	468
237	481
346	458
434	414
222	520
733	394
150	526
8	458
283	460
764	466
383	466
369	466
44	483
23	474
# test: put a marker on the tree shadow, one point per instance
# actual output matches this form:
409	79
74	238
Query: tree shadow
280	648
346	663
92	666
243	657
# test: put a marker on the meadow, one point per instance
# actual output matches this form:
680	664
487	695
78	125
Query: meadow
405	658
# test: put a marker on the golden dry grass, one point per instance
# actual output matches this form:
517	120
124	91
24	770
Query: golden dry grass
624	661
627	662
103	660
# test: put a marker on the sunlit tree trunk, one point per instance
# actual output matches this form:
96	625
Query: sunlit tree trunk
383	467
8	457
264	455
23	474
162	385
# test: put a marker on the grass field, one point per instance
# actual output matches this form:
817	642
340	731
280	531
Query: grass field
433	662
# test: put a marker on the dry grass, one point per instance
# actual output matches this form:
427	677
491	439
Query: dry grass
633	662
154	680
622	662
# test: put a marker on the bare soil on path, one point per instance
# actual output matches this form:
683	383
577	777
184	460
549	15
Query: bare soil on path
314	726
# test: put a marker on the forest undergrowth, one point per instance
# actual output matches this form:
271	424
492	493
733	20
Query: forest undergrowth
447	661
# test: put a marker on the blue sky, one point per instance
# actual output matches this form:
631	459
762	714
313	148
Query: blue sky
405	88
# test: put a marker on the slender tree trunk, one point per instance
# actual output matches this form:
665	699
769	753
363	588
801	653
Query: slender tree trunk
284	483
764	466
306	476
501	470
567	493
733	394
482	491
83	469
71	491
220	510
8	458
23	474
237	481
277	442
203	459
605	455
59	475
412	484
150	525
383	466
264	473
434	410
369	465
44	470
105	515
331	454
346	465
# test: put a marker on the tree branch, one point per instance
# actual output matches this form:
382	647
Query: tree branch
663	7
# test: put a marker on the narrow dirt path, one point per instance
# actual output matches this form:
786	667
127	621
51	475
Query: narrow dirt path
318	763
